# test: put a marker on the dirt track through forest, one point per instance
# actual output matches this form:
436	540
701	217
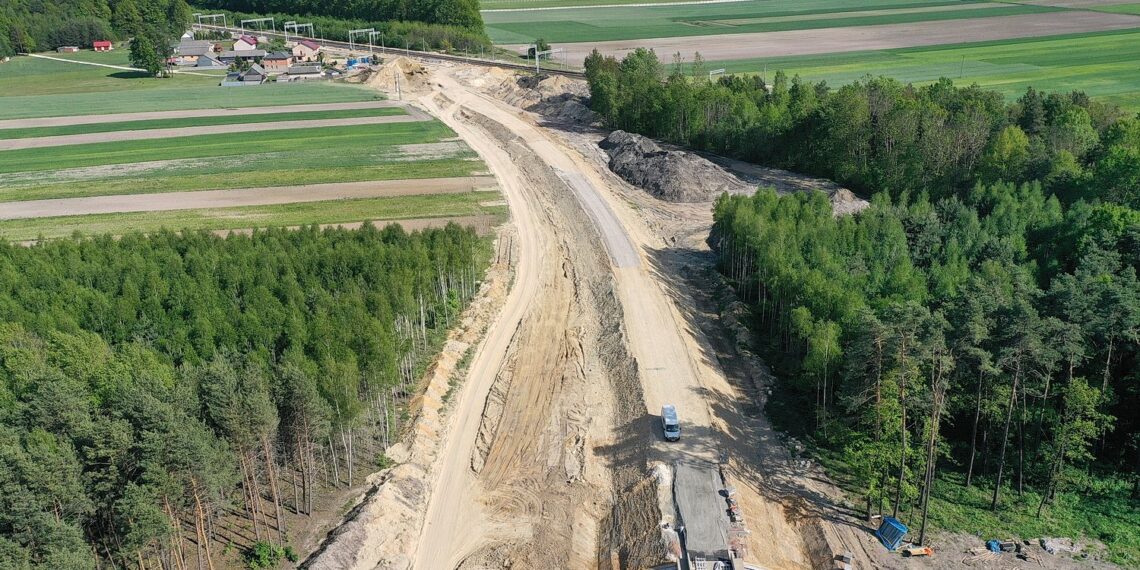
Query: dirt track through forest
190	113
241	197
858	38
147	134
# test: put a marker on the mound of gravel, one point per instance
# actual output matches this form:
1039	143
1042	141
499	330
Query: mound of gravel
672	175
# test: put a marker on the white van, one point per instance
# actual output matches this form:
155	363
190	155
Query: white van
670	425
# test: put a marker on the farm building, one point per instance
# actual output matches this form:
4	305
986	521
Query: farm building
210	62
245	42
277	61
306	50
102	45
301	73
255	75
189	51
67	49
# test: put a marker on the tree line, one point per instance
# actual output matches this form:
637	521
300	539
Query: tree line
878	135
458	13
164	397
28	26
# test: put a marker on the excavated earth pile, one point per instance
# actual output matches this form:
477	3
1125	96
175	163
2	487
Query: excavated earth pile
671	175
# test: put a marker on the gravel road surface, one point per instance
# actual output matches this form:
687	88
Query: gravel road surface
240	197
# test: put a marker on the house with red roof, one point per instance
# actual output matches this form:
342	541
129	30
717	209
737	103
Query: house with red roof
245	42
306	50
102	45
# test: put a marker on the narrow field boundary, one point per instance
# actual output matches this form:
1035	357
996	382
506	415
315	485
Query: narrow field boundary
192	113
147	134
638	5
243	197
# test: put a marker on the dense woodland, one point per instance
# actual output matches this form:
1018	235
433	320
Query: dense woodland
30	25
983	311
435	24
166	398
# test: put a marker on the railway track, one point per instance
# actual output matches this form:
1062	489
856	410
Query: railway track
421	55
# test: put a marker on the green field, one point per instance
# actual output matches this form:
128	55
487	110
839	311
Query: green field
1118	9
532	4
34	87
196	122
330	212
1104	65
640	22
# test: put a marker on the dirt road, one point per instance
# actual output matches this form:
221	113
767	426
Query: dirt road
240	197
858	38
146	134
189	113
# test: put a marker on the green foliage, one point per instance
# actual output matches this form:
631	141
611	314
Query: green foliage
878	134
984	313
140	384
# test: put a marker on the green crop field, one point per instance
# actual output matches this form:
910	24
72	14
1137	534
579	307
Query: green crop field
34	87
330	212
532	4
196	122
1104	65
640	22
1118	9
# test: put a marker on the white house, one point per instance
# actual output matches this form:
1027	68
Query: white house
306	50
245	42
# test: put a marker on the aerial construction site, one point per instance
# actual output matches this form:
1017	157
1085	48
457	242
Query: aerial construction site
539	442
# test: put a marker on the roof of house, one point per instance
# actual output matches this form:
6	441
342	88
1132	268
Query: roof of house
247	39
309	44
242	53
303	69
209	61
100	43
255	70
193	50
279	55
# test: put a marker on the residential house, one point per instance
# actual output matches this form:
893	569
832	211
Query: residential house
189	51
255	75
277	62
245	42
301	73
306	50
102	45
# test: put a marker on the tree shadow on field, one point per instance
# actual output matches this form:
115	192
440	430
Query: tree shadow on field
129	75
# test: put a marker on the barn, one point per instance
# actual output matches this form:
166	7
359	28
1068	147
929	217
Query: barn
102	45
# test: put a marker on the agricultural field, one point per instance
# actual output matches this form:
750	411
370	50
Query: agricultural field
1100	64
272	155
593	24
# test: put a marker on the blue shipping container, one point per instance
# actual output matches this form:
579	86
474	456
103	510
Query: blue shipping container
891	533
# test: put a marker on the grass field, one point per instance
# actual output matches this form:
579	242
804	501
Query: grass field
330	212
639	22
1119	9
532	4
1104	65
196	122
207	146
35	87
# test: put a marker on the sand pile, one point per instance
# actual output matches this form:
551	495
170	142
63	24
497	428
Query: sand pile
672	175
407	74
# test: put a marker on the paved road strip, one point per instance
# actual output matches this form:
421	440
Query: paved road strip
113	136
241	197
190	113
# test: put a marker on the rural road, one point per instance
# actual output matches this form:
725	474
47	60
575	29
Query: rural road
190	113
453	527
240	197
857	38
414	115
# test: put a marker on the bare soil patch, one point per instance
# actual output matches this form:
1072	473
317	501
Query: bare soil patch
860	38
241	197
229	112
672	175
